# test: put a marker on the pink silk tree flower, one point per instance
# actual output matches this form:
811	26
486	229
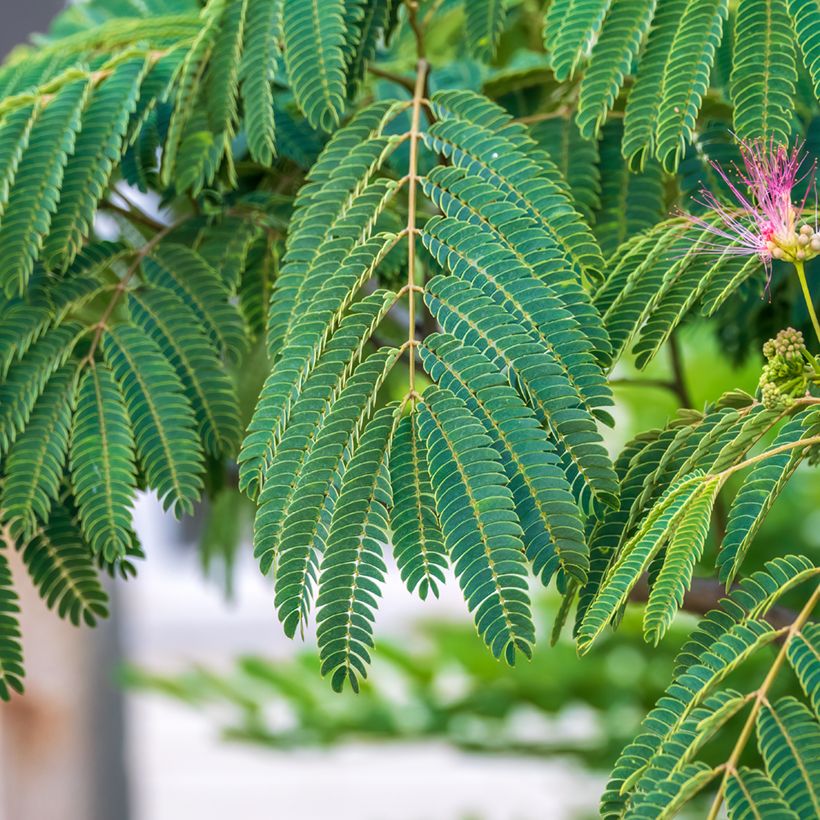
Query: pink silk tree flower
765	221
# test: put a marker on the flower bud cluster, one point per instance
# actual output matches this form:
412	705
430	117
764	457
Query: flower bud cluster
795	245
785	375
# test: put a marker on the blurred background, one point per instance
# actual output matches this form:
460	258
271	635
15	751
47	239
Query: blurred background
190	702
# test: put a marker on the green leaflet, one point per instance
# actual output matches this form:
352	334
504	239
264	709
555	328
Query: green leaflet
183	272
14	136
309	411
684	551
642	761
621	35
764	71
477	320
576	157
98	149
750	794
161	417
27	379
338	216
480	138
37	185
546	510
686	76
463	248
805	16
804	657
751	598
635	556
21	324
418	544
363	40
189	77
63	571
314	36
472	200
221	91
299	358
174	327
352	567
256	74
103	472
755	497
669	795
333	216
643	104
11	650
483	537
34	466
789	739
579	25
299	532
629	202
483	26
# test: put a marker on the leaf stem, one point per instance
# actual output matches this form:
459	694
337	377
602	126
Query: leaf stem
759	698
804	285
803	442
412	190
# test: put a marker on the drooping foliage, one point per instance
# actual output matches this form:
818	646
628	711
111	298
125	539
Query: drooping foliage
442	263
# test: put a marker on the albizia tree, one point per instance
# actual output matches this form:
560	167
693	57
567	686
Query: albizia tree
444	225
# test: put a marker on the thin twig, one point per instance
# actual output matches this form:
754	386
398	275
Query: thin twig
412	7
678	375
730	767
133	214
791	445
398	79
123	286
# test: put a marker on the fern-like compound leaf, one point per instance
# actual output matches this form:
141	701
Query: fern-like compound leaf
804	657
352	569
579	25
37	185
34	466
789	739
418	543
300	356
257	73
682	554
161	416
483	26
475	319
27	379
97	151
764	71
11	649
546	509
751	794
636	556
103	472
481	531
314	37
805	16
63	570
643	104
686	76
174	327
303	526
755	498
184	272
621	36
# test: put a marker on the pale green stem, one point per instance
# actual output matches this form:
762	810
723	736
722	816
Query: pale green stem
801	275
